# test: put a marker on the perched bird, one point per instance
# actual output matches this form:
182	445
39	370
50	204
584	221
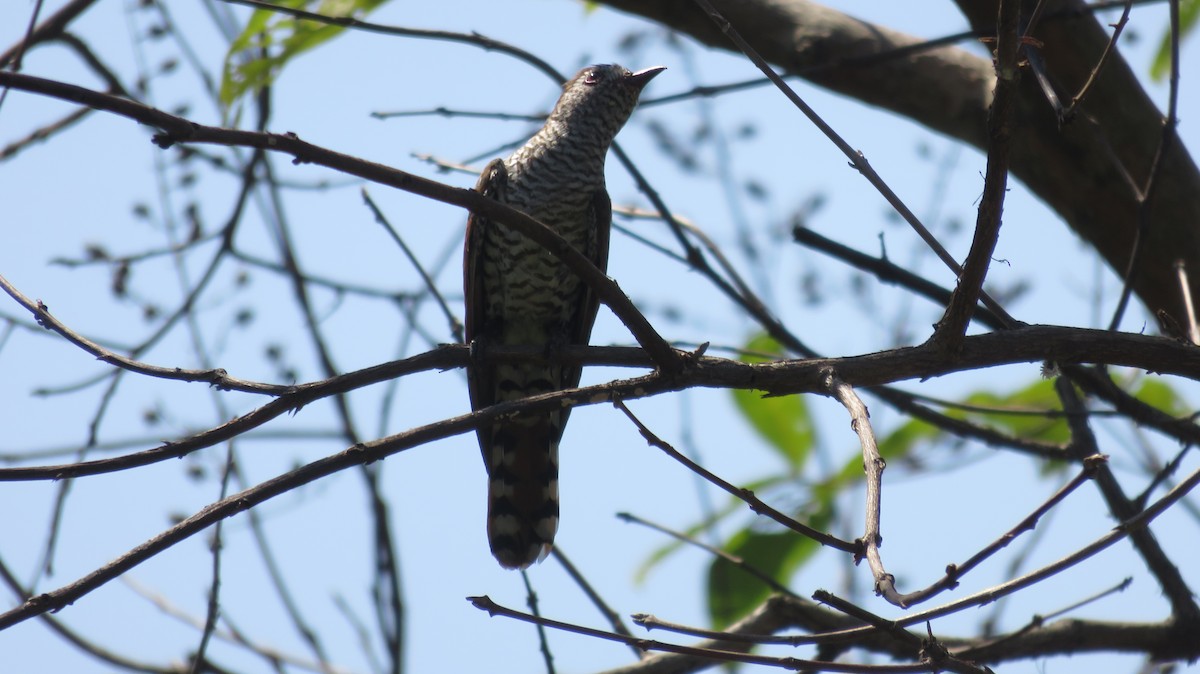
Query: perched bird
518	294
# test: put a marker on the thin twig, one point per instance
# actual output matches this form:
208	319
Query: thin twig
449	112
1095	382
887	272
736	561
651	622
269	653
747	496
857	159
95	650
1069	113
493	609
1189	309
216	377
859	613
609	614
1124	529
1150	187
951	328
954	572
531	601
873	464
1039	621
456	326
476	39
177	129
35	33
1160	565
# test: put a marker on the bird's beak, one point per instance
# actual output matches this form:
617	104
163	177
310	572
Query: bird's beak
642	77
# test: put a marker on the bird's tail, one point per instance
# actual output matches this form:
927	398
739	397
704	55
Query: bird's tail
523	489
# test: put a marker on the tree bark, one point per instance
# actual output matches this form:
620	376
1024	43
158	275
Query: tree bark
1082	171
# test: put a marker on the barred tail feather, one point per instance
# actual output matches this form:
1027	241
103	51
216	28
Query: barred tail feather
523	490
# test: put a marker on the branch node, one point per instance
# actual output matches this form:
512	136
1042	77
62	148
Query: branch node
1093	463
485	603
43	312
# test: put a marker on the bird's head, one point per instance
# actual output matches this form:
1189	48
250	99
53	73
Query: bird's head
601	97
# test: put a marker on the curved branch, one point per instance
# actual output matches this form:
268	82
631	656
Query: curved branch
217	377
176	129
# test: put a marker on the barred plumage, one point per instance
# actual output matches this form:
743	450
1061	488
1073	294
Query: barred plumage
518	294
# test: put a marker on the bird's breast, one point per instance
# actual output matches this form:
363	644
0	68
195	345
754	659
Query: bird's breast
530	292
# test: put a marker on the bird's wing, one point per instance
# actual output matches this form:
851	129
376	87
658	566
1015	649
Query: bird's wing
601	217
480	380
600	213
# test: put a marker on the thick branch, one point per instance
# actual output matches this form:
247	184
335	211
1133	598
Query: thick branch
1022	345
1079	171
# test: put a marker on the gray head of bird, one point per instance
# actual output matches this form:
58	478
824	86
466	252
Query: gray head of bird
600	98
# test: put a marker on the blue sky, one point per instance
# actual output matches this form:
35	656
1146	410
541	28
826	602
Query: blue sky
81	187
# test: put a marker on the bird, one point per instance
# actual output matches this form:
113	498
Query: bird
518	294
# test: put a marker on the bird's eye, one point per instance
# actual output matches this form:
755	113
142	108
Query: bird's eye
591	77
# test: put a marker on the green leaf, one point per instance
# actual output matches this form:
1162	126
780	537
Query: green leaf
1027	423
1189	12
732	505
782	421
905	440
899	443
1159	393
272	39
1037	397
732	592
693	531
